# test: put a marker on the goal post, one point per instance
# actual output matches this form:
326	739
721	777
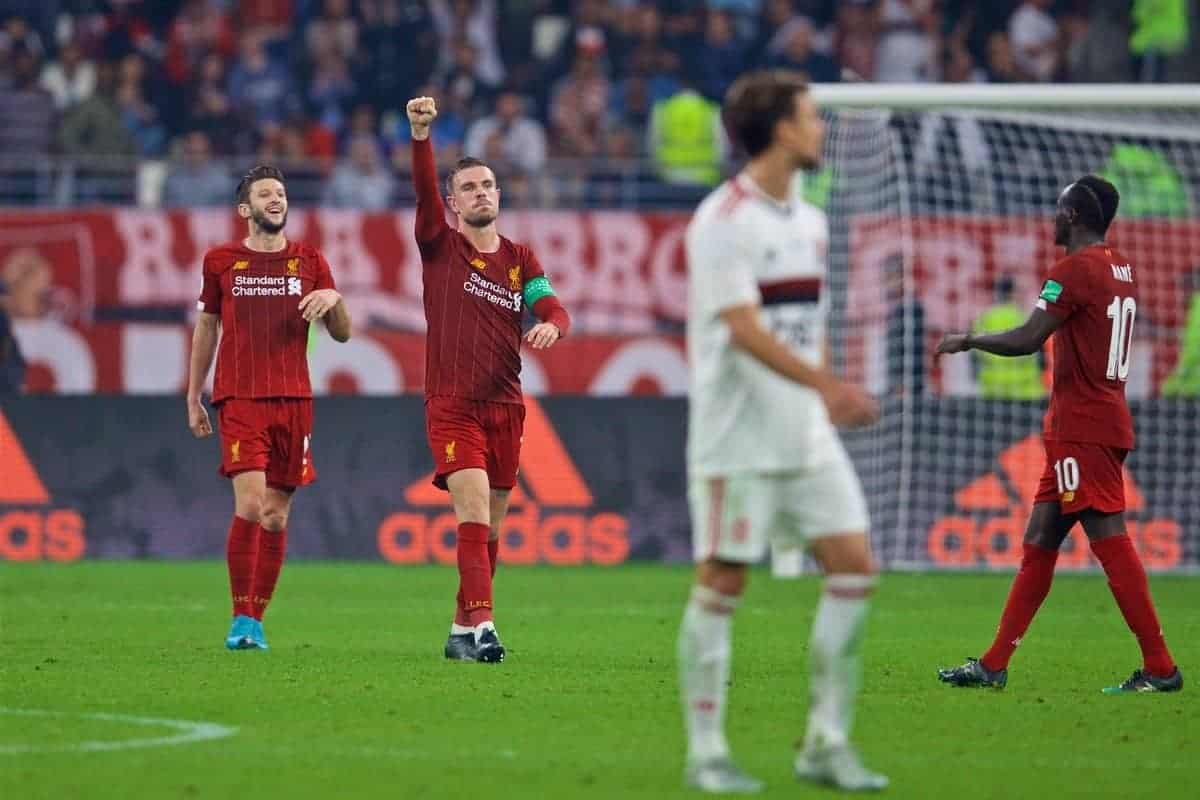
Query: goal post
941	201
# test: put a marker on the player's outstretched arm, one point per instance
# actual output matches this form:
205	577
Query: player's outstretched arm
847	404
1023	340
204	347
431	217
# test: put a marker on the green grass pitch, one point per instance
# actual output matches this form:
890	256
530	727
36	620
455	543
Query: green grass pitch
354	699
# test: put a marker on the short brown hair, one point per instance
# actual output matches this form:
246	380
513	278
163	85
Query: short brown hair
261	172
755	104
466	162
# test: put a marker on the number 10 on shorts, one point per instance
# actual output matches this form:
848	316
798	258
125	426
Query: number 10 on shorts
1067	472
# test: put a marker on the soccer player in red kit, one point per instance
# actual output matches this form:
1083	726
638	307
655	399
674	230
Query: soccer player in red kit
477	284
260	294
1088	302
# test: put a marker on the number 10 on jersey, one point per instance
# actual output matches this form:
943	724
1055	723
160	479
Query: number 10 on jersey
1121	311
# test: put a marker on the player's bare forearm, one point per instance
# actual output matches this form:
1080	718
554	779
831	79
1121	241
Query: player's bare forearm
337	322
1015	342
204	348
1023	340
747	333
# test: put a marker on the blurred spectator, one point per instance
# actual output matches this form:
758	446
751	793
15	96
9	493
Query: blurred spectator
472	22
509	133
1093	45
16	35
141	118
364	123
209	110
259	85
775	15
71	79
723	57
630	103
685	138
94	128
1001	64
334	31
1002	377
856	37
905	337
515	36
959	65
1184	380
195	179
12	364
1160	31
1034	36
639	27
1150	185
200	29
579	106
331	91
399	50
26	108
659	70
792	48
909	42
29	278
621	177
471	93
125	29
271	18
361	180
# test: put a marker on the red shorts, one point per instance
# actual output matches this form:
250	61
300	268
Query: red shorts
474	433
1082	475
270	435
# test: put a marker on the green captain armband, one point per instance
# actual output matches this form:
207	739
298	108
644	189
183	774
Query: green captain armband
1051	291
536	289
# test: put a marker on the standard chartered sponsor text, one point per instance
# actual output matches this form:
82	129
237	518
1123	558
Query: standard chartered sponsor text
259	286
492	293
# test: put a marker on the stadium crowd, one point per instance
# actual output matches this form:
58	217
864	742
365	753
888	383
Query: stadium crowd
611	85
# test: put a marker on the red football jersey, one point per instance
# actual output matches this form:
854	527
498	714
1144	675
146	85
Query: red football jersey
1094	292
473	301
264	339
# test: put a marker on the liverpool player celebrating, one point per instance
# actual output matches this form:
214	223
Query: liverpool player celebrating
1089	302
476	284
262	292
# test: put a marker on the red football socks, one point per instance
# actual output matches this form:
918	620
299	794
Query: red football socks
1029	589
474	573
493	554
1127	580
241	551
272	545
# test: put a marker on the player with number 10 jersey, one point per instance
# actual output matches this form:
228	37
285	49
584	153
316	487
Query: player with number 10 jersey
1089	303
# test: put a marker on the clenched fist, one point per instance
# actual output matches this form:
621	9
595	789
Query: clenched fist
421	113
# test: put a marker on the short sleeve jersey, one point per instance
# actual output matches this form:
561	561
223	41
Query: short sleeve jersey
745	248
1095	294
264	339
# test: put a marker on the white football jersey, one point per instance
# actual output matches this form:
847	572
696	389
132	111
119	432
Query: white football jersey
744	247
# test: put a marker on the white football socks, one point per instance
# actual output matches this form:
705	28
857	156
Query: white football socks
836	666
704	656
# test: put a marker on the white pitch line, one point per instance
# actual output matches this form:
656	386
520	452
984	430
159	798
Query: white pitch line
189	733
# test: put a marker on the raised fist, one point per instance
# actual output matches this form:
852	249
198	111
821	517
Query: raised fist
421	113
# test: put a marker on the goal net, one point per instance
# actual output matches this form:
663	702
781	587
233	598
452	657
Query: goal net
941	203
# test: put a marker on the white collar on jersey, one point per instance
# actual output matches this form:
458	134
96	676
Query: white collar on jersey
750	186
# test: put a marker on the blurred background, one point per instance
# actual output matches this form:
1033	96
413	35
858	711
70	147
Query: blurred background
124	126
